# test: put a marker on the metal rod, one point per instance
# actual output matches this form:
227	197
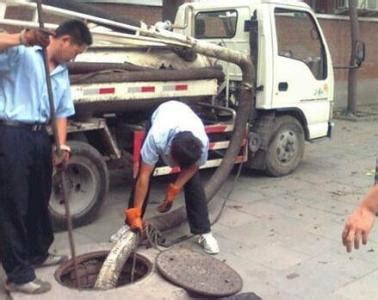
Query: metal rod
57	144
346	67
133	267
77	15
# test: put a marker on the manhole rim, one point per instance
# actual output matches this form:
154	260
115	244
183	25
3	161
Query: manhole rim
59	272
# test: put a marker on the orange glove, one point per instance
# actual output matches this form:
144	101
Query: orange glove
134	218
172	191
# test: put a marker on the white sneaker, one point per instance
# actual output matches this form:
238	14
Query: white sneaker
52	260
208	243
115	237
36	286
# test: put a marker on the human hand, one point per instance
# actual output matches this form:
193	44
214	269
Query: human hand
60	159
164	206
172	191
33	37
357	228
134	219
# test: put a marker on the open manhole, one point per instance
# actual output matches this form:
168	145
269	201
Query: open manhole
89	266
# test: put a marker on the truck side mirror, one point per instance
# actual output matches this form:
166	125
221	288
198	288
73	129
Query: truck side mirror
360	53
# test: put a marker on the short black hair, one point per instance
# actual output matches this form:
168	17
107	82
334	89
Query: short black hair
186	149
77	30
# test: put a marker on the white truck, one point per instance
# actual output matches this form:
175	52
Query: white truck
118	82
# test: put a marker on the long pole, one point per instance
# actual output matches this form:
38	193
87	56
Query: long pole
58	149
352	74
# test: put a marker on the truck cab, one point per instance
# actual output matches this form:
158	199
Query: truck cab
294	73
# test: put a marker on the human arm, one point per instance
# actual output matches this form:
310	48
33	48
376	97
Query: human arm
8	40
175	188
61	159
134	214
361	221
61	124
28	37
142	184
64	108
185	175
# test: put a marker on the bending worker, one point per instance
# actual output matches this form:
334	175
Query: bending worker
25	146
178	136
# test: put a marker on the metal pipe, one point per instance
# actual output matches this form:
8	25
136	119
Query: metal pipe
79	15
88	9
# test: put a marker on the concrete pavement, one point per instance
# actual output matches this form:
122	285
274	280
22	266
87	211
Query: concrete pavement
282	235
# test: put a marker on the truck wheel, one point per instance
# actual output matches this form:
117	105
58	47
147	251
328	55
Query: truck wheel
87	182
286	148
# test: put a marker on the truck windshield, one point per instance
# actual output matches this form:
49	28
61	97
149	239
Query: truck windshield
215	24
298	38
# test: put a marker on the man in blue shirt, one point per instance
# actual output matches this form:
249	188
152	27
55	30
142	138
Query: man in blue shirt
25	146
178	136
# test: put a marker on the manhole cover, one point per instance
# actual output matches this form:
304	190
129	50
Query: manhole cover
198	273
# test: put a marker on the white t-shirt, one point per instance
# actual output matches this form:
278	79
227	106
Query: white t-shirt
167	120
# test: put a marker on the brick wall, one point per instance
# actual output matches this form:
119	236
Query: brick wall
337	32
149	15
322	6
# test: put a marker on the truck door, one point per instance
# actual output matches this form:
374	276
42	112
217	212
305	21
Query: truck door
302	70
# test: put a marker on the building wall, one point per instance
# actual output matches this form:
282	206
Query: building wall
322	6
149	15
337	33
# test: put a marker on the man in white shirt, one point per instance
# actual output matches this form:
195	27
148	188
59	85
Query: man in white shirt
178	136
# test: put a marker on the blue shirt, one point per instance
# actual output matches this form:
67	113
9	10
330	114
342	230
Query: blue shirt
23	91
169	119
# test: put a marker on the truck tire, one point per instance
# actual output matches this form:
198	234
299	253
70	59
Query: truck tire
87	182
286	147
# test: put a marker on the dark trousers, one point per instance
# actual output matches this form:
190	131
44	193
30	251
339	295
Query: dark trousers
25	186
195	203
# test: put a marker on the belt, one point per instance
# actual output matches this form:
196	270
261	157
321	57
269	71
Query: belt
28	126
